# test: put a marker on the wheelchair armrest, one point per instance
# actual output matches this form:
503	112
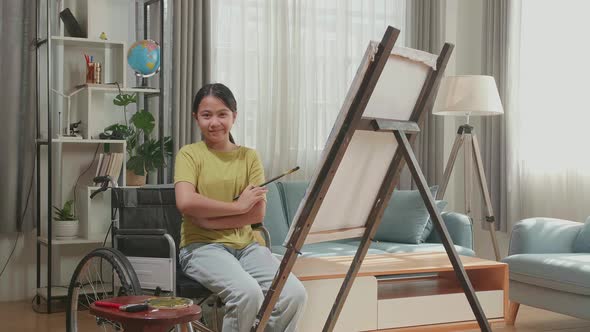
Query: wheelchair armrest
265	234
156	232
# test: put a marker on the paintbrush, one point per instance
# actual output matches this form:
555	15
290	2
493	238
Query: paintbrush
275	178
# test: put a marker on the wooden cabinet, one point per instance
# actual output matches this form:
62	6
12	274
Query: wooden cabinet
402	292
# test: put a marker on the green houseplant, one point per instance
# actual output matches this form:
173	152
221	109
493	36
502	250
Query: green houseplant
65	225
145	154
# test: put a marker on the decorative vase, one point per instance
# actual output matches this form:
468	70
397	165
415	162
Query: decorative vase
134	179
65	229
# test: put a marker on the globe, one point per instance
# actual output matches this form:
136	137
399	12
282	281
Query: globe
144	57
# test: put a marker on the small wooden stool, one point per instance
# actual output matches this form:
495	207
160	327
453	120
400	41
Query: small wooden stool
151	320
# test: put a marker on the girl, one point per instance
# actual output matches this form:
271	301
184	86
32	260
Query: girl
218	248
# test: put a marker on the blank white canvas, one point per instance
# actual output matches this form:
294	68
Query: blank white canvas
353	190
398	89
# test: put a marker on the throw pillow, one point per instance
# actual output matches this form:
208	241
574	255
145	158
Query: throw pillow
430	225
582	242
404	218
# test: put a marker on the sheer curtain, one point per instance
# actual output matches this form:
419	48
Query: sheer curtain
554	113
426	32
289	64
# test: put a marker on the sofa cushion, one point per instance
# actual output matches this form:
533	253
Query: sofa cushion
404	218
392	247
348	247
582	242
323	249
275	219
460	229
429	224
293	192
562	272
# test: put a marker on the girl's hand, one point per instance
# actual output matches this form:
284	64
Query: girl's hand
250	196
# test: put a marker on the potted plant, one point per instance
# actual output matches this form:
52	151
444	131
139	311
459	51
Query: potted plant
145	154
65	225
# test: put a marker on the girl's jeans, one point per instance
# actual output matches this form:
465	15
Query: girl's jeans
241	278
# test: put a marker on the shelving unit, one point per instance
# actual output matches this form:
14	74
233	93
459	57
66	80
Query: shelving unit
66	166
44	240
85	42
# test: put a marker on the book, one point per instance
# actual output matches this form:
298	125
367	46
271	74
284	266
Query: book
71	24
105	164
117	164
99	164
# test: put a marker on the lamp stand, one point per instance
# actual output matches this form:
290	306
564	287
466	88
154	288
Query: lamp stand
466	138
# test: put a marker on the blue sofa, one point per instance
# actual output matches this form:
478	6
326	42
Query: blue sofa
283	199
549	264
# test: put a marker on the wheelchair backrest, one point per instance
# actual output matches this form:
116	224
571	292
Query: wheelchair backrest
149	207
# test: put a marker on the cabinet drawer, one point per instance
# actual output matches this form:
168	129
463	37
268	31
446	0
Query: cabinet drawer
358	314
434	309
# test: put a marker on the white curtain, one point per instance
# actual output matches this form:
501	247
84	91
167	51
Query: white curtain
289	64
554	115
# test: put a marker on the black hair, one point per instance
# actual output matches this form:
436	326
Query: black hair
219	91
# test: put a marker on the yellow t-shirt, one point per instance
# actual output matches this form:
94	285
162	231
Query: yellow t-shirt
221	176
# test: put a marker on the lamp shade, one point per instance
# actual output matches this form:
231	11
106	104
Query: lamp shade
468	95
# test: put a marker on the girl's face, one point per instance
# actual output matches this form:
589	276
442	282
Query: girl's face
215	119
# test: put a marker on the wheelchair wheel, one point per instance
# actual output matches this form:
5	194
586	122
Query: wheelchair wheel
103	273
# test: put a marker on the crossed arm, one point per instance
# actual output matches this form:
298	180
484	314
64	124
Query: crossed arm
213	214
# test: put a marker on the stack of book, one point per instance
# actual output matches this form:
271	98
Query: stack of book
110	164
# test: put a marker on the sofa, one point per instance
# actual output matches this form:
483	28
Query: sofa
549	266
283	199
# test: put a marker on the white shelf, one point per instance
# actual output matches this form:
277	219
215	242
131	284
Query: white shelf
85	42
55	292
113	88
44	240
88	141
119	187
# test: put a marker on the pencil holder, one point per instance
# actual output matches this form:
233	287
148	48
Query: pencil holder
90	72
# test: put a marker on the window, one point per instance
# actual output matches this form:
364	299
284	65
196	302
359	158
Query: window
290	64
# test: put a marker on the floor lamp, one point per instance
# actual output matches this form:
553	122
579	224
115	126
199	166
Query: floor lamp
469	95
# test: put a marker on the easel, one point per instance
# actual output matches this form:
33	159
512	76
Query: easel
350	120
465	135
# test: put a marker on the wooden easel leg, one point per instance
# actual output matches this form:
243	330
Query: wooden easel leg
442	230
486	195
467	168
449	168
512	312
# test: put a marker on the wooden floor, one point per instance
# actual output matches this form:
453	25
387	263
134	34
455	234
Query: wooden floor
18	316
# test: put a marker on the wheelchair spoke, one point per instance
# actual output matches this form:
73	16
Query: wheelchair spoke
98	276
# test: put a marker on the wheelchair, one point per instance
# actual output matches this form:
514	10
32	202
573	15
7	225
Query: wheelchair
143	260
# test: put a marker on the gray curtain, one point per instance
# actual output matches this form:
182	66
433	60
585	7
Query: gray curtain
425	26
18	95
499	30
191	63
